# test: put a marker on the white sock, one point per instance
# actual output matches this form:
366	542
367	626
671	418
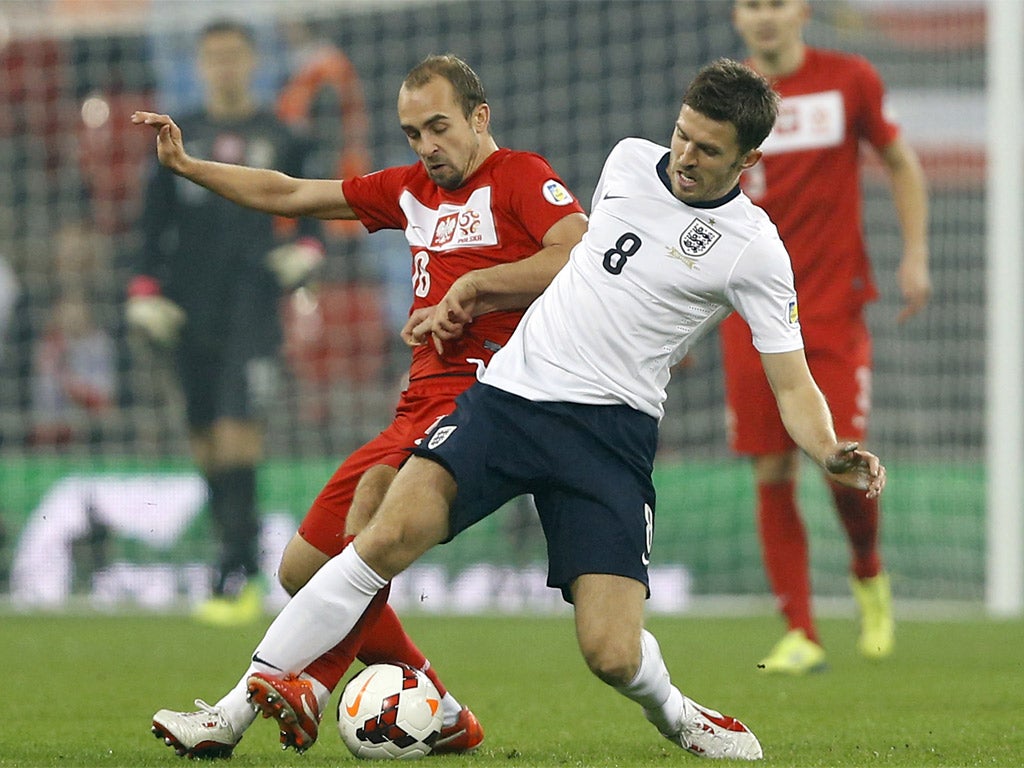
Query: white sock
652	687
451	709
236	707
450	706
241	714
321	691
319	616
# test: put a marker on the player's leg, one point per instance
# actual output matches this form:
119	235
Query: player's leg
243	382
238	590
344	589
355	489
869	583
786	558
297	703
616	647
412	519
209	731
202	373
213	730
348	502
325	609
384	639
756	430
598	514
843	373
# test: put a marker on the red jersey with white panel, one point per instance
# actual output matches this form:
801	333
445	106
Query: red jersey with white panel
809	178
499	215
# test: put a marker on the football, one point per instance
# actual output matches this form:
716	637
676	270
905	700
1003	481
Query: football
389	712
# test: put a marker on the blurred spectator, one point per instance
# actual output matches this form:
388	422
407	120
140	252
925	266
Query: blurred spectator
336	331
73	372
9	290
323	94
73	378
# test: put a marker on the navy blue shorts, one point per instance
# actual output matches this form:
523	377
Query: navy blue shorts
587	466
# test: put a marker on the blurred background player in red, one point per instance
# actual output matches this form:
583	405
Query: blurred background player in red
809	183
207	285
486	227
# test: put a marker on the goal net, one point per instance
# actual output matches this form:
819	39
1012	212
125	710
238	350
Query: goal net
564	78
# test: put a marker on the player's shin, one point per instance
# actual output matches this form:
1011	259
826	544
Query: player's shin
330	667
320	614
652	689
236	707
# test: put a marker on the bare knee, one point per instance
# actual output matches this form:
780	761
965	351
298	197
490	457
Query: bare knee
299	561
412	518
368	496
611	660
609	618
776	467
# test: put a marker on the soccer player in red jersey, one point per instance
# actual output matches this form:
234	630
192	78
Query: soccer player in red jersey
498	221
809	183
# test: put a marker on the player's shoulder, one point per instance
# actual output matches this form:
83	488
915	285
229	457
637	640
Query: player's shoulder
524	175
752	220
835	62
635	147
762	251
515	162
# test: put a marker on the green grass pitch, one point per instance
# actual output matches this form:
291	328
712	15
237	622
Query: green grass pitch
80	691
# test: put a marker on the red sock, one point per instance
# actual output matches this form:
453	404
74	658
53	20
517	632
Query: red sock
387	641
784	548
332	666
859	516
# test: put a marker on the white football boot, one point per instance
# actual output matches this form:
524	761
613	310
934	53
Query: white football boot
205	733
707	733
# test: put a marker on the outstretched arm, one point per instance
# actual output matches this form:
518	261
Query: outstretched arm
809	422
504	286
258	188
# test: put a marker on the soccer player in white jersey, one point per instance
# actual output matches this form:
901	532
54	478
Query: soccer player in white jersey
568	410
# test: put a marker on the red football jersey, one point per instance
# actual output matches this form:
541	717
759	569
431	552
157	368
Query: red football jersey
499	215
809	178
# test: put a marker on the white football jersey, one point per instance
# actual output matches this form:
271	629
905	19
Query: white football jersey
651	276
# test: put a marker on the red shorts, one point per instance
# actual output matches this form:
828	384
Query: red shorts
419	408
839	357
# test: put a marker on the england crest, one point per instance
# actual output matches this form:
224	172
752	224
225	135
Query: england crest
440	435
698	238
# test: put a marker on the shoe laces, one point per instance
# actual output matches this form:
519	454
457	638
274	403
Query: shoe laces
207	710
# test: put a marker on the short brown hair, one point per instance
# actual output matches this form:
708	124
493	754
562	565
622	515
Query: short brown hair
469	91
728	91
225	26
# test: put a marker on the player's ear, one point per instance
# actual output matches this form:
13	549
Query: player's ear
750	159
481	118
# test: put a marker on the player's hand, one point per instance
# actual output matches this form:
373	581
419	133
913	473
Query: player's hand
915	287
851	466
159	318
438	324
170	149
416	331
445	321
434	324
293	263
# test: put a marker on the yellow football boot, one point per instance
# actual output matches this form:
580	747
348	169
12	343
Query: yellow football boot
877	629
794	654
223	611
